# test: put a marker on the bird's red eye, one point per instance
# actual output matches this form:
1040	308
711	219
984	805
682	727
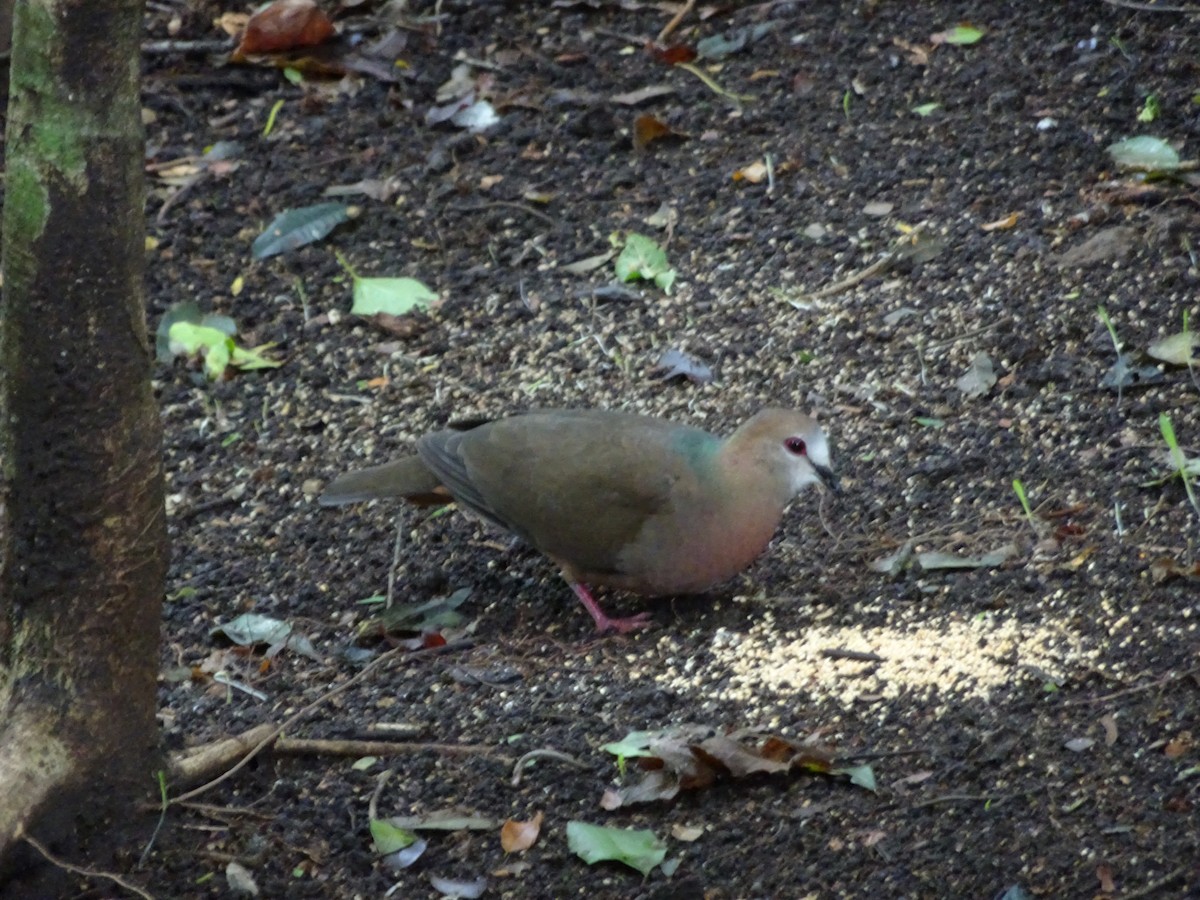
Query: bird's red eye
796	445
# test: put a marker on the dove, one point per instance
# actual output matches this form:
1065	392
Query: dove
615	499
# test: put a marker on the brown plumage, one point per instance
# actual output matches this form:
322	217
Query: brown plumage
615	499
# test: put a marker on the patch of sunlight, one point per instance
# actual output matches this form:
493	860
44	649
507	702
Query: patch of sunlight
946	658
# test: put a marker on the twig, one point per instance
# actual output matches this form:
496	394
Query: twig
852	655
712	84
1151	7
288	723
544	754
326	747
956	798
1158	682
675	20
879	266
161	48
508	204
78	870
373	805
397	548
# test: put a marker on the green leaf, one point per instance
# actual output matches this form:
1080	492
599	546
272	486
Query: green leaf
641	849
186	339
217	348
395	296
636	743
187	311
963	35
926	108
1150	109
643	258
388	838
295	228
1148	154
930	422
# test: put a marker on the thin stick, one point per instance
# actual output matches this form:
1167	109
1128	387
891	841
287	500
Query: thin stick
78	870
674	23
288	723
324	747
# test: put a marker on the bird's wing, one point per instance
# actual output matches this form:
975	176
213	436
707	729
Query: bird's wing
579	485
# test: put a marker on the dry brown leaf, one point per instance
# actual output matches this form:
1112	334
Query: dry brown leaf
516	837
285	25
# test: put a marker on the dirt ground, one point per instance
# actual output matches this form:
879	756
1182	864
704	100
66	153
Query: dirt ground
1032	725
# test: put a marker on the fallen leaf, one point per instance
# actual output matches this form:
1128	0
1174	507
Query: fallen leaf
1176	349
648	128
1144	153
980	377
451	887
1009	221
518	836
674	54
641	850
754	173
675	363
1109	723
284	25
686	833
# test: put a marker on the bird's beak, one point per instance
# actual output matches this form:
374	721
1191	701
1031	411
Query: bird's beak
829	478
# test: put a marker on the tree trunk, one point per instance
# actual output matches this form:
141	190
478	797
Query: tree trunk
82	522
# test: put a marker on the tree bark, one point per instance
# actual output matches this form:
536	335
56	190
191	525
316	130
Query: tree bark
82	521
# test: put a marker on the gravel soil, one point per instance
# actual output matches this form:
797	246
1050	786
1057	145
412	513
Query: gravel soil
1031	721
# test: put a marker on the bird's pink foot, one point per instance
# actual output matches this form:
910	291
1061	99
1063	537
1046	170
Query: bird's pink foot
603	621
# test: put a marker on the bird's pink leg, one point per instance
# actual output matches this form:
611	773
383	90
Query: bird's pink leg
603	622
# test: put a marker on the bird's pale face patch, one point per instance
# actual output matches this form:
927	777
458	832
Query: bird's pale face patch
808	459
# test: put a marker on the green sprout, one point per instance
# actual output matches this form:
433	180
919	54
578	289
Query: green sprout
1178	459
1019	488
1112	331
1150	109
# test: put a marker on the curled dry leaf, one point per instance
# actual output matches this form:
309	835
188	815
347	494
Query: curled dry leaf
518	836
284	25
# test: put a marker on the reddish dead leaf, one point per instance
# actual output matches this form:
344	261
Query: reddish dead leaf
681	762
1104	874
1165	568
673	55
432	639
647	128
518	836
1178	746
285	25
401	326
